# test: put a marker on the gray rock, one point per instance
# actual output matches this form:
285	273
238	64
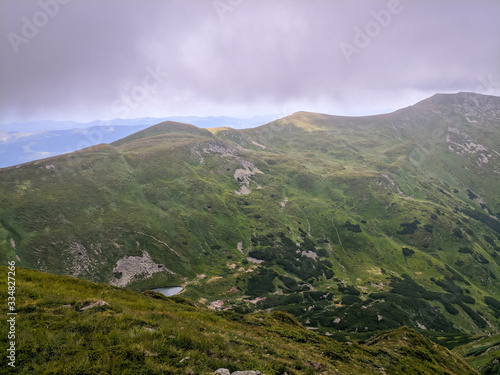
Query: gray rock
225	371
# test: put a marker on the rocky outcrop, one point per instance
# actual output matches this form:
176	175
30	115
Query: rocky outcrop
129	267
225	371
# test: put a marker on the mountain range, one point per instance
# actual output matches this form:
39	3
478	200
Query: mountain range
24	142
353	225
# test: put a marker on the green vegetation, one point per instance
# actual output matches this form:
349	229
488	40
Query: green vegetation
408	252
352	225
481	353
409	228
58	331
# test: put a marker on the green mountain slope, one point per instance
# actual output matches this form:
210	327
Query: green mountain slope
78	327
482	353
353	225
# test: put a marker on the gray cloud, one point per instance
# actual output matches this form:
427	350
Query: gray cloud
93	58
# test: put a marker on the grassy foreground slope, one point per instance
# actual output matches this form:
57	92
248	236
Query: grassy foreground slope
58	331
353	225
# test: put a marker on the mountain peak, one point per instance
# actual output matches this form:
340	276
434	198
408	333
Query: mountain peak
460	98
471	106
165	128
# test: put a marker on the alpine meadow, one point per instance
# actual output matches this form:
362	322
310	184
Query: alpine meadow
311	244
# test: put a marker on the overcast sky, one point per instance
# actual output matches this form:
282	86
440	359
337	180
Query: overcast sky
101	59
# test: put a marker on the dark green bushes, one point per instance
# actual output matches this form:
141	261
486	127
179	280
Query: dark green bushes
449	286
478	320
471	194
409	228
350	300
348	289
483	218
407	252
457	232
492	302
261	282
289	283
274	300
352	227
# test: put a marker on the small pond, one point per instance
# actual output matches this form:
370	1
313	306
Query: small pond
170	291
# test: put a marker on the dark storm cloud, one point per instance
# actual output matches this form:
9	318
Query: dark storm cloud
104	59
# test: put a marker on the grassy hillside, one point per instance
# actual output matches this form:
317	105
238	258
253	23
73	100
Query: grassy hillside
353	225
482	353
58	331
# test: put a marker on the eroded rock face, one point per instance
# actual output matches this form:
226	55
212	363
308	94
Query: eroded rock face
95	304
245	176
82	260
129	267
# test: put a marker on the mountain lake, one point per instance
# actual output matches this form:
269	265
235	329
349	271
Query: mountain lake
169	291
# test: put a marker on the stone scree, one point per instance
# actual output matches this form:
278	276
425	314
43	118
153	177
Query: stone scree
225	371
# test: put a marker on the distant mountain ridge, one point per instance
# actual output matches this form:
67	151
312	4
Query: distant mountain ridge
24	142
203	122
352	224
